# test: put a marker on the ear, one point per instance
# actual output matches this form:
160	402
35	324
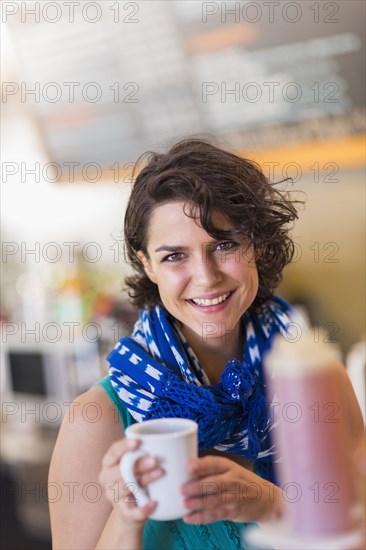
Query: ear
147	266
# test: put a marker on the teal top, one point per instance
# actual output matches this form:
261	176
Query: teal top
177	535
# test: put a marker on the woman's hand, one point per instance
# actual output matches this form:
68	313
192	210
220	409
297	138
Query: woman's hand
224	490
124	496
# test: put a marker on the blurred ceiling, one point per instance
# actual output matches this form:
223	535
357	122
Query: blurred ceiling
107	81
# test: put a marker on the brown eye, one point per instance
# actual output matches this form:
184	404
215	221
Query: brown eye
227	245
173	258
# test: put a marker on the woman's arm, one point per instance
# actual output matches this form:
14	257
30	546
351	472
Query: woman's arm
80	513
86	512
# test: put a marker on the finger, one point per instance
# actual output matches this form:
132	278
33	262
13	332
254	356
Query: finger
138	513
147	470
202	501
209	516
151	476
209	465
115	487
113	455
145	464
111	479
125	496
216	495
129	506
210	485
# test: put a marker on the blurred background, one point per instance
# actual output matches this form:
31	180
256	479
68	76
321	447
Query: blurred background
87	87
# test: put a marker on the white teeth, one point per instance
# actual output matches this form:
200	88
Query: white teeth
207	302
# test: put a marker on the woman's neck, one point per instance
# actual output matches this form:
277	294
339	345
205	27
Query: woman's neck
214	353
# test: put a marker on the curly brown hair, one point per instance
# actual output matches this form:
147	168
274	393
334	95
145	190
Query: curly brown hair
202	175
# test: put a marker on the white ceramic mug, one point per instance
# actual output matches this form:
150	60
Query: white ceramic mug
173	441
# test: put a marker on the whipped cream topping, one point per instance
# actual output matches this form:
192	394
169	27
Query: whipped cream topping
307	352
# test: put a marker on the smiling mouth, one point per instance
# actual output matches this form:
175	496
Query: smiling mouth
205	302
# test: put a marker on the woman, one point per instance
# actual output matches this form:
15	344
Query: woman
208	237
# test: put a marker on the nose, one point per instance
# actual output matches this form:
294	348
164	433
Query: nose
206	272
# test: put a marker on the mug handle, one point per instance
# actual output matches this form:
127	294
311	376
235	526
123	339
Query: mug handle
126	466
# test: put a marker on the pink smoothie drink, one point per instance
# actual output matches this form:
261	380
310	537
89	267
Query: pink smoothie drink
310	432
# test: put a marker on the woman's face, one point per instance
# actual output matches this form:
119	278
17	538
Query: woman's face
204	283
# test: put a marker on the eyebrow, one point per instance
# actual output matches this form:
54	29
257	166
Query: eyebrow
167	248
170	248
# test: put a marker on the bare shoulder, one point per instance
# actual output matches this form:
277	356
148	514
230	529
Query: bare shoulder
89	428
92	414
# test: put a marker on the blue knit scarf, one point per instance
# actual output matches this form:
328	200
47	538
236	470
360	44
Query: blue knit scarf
157	375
